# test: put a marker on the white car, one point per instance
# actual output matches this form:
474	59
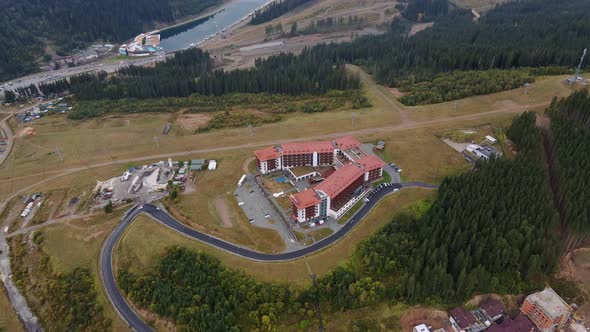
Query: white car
321	222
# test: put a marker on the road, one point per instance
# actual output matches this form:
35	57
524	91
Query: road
5	132
106	255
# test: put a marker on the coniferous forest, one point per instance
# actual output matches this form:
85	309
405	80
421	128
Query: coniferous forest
570	144
190	71
27	25
275	9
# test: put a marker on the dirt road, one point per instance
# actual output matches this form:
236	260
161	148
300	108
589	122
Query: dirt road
5	132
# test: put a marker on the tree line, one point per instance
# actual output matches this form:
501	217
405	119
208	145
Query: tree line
515	34
29	24
570	143
275	9
489	230
190	71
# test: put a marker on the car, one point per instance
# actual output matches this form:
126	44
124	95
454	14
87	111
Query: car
392	165
241	204
311	224
266	216
158	208
251	191
395	190
252	221
321	222
366	200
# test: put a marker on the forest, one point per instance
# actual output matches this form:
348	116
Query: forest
460	84
274	10
570	143
515	34
29	25
190	71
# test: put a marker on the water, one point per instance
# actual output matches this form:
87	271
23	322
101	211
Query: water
195	32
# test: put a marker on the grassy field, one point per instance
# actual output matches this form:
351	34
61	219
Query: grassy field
146	240
213	208
119	137
477	4
8	319
78	243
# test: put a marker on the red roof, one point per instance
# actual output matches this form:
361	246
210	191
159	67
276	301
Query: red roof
371	162
493	307
463	317
520	324
340	180
305	199
267	154
347	142
307	147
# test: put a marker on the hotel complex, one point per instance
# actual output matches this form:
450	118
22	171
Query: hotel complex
340	167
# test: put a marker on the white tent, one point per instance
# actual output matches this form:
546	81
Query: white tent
212	165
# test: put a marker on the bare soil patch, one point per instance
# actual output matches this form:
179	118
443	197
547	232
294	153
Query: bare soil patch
192	122
26	131
223	211
396	92
431	317
420	27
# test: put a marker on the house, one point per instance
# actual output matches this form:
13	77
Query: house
212	165
491	139
461	319
520	324
380	145
547	310
420	328
493	308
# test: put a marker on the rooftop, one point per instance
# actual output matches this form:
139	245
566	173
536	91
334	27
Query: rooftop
347	142
307	147
463	317
267	154
551	303
371	162
305	199
493	307
340	180
520	324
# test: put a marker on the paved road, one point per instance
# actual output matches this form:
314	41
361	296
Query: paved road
106	261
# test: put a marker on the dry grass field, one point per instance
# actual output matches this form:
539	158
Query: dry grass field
146	240
78	243
477	4
8	319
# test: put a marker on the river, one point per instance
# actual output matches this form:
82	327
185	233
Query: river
197	31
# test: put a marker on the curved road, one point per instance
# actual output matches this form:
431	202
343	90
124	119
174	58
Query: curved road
106	255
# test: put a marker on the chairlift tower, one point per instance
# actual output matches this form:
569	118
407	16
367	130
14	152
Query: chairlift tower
579	68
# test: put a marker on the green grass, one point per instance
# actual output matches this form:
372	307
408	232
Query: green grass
386	179
357	206
321	233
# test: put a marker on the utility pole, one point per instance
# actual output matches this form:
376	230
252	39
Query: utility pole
353	118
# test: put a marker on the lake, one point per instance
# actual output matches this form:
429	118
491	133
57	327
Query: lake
196	31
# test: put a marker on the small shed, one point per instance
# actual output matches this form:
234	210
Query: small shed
197	164
380	145
491	139
212	165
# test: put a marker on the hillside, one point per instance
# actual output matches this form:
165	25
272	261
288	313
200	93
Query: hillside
31	28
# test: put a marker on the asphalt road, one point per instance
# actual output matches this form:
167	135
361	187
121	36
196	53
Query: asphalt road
5	132
106	262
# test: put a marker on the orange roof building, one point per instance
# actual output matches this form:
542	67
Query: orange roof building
340	190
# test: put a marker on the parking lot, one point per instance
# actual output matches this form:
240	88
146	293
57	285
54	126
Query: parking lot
261	211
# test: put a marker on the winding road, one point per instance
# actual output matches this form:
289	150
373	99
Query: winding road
106	254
